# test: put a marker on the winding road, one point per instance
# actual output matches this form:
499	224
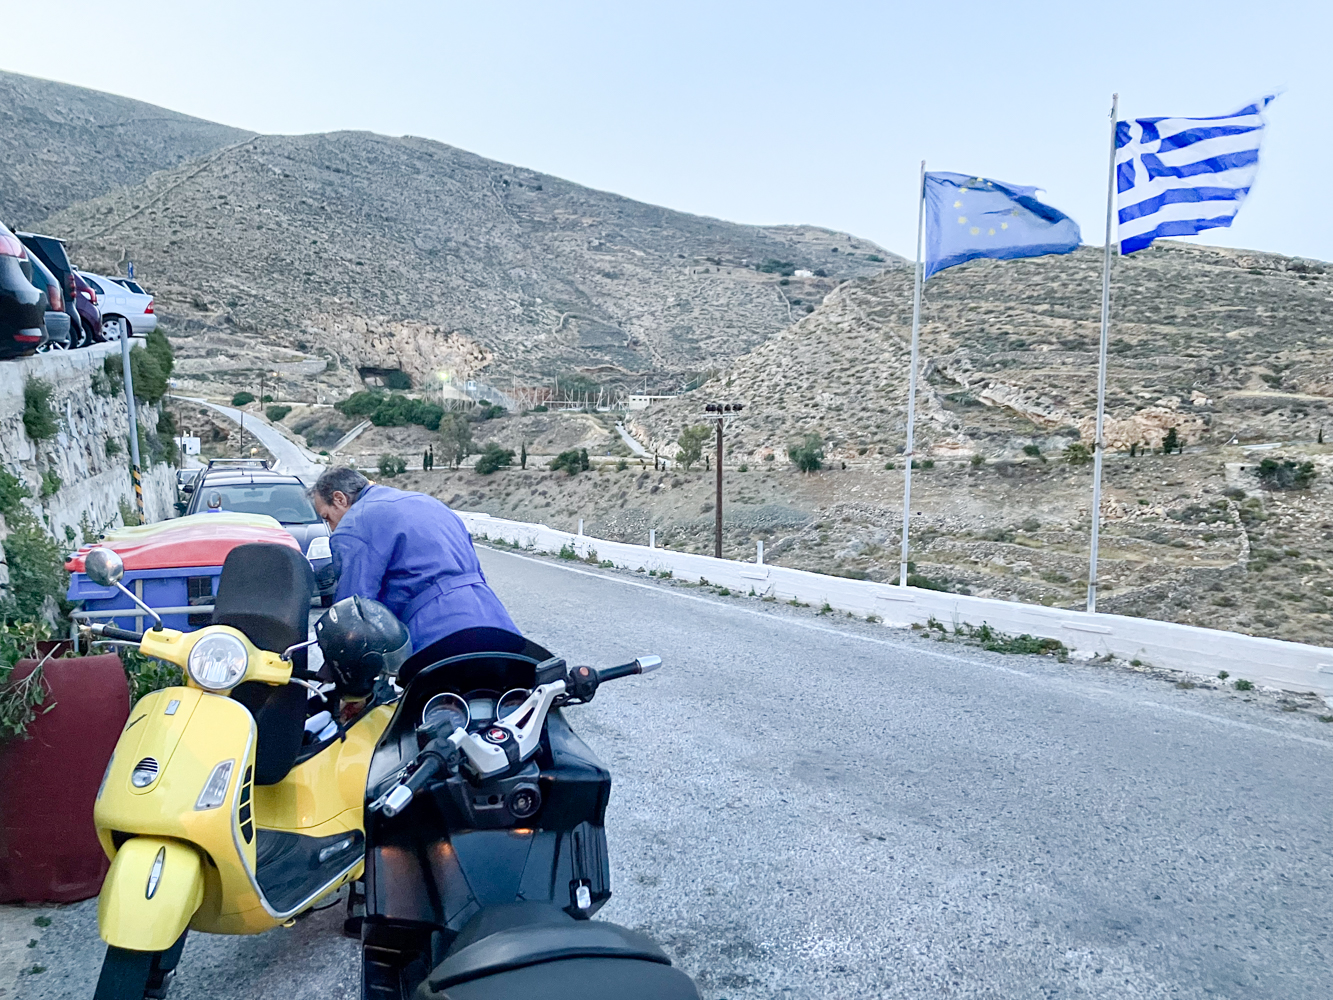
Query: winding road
289	456
808	807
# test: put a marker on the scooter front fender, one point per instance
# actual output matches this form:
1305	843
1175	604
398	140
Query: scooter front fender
152	891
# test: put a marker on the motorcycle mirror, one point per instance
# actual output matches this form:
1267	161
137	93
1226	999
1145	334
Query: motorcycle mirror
104	567
647	664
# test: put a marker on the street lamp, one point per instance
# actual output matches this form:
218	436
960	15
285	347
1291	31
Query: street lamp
718	413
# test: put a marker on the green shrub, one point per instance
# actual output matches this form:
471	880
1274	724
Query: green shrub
783	267
12	492
50	484
1032	450
37	577
20	702
455	439
1273	473
242	398
494	458
691	442
39	420
978	460
567	552
1172	442
540	408
277	413
147	674
112	447
573	461
1243	685
166	424
1078	453
392	409
391	465
808	455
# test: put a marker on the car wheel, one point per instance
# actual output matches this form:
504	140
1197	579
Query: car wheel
111	327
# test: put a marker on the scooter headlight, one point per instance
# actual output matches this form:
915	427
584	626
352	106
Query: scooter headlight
218	662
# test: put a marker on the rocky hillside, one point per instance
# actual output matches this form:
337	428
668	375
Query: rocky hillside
1220	344
406	253
61	144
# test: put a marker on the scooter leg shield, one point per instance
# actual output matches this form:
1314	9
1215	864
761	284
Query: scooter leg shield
150	894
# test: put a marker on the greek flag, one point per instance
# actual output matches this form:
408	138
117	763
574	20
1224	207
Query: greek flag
1180	176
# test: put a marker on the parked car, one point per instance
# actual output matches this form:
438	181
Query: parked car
22	306
90	313
120	304
50	250
57	320
249	486
132	285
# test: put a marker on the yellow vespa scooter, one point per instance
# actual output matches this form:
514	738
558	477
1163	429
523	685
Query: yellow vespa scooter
216	813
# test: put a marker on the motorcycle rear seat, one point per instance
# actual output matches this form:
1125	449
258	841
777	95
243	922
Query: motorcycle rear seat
574	979
540	944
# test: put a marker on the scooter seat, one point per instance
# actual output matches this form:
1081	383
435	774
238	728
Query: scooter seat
538	950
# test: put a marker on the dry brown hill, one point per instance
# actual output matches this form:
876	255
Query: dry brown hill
61	144
1218	343
403	252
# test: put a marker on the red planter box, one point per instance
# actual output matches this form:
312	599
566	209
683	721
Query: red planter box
48	782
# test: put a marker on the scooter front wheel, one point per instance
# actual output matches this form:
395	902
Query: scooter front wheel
134	975
125	974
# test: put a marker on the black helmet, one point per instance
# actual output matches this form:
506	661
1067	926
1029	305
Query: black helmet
361	639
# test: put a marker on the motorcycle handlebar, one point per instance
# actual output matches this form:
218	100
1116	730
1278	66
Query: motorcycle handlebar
641	665
400	796
111	632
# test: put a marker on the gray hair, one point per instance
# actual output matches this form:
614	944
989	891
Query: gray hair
340	480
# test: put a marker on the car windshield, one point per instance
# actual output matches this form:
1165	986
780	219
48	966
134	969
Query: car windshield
285	501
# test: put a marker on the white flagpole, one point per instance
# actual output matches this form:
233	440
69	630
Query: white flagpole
911	382
1099	443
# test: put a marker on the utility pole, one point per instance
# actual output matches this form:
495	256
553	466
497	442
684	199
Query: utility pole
128	377
718	414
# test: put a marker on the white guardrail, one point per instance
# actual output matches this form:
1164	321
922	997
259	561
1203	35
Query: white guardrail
1290	666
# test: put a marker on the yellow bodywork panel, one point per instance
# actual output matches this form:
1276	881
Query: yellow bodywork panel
151	893
189	732
325	794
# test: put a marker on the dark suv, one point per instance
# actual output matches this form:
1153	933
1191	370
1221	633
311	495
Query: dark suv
22	306
249	486
50	250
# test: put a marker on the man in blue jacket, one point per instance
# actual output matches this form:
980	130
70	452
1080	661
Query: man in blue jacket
409	552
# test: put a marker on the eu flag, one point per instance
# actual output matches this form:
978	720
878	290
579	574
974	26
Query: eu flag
971	217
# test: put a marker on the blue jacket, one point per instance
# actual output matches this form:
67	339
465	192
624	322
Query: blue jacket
414	555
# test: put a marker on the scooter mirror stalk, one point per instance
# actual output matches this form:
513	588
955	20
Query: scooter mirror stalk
106	569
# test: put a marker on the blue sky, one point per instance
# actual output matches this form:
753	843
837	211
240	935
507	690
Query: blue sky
754	112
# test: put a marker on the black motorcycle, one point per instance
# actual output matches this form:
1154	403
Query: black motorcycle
485	841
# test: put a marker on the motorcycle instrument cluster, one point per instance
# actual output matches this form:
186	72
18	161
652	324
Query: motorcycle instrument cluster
473	712
446	710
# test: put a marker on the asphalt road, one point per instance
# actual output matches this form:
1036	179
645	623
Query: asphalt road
813	808
289	456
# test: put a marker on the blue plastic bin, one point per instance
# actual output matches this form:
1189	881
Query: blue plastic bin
174	587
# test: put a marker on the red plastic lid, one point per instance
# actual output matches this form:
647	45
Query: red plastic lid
198	540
